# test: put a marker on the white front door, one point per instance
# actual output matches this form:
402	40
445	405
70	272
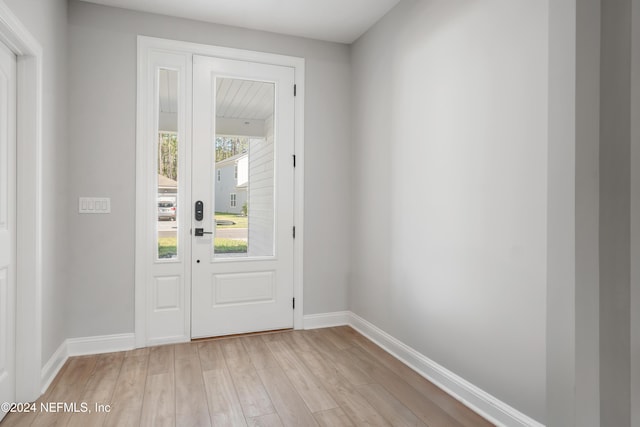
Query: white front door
242	193
7	224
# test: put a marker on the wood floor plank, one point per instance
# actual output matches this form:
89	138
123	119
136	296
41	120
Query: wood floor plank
211	357
453	407
15	419
161	359
355	406
388	406
224	406
333	418
288	403
423	408
253	397
69	390
277	336
319	342
347	332
259	353
235	354
337	340
299	339
129	392
298	345
353	372
185	350
98	393
271	420
191	399
107	369
76	377
123	415
132	379
159	405
137	352
307	385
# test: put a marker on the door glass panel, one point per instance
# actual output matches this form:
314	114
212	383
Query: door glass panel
167	160
244	175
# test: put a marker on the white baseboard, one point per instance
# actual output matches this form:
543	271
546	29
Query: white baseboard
53	366
475	398
326	320
100	344
82	347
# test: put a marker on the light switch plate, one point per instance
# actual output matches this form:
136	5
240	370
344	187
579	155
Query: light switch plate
94	205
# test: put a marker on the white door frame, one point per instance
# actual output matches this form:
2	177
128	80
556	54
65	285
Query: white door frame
151	45
29	204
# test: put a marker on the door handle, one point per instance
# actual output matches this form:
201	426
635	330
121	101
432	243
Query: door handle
200	232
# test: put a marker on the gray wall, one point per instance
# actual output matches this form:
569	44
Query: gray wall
615	181
635	215
449	188
586	408
561	231
592	242
573	360
102	112
46	20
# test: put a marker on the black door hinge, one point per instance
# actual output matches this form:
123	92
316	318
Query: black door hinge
294	303
294	231
294	90
294	160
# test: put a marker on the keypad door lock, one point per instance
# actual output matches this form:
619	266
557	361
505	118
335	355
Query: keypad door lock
199	210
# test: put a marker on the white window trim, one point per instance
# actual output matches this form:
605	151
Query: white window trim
29	204
233	200
146	45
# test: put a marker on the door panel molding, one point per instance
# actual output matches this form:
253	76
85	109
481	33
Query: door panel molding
229	287
145	331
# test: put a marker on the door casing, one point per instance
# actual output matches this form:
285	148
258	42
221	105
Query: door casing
7	225
29	54
151	49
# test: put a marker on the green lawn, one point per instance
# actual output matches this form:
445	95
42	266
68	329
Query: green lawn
168	248
240	221
230	246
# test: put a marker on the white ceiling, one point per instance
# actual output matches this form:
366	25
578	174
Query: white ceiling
332	20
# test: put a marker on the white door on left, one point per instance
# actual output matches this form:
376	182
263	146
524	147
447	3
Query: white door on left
7	224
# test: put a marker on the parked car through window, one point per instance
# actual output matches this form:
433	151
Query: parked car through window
167	210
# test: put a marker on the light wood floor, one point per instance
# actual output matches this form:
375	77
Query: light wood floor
327	377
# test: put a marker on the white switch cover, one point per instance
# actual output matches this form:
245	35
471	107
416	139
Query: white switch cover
95	205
